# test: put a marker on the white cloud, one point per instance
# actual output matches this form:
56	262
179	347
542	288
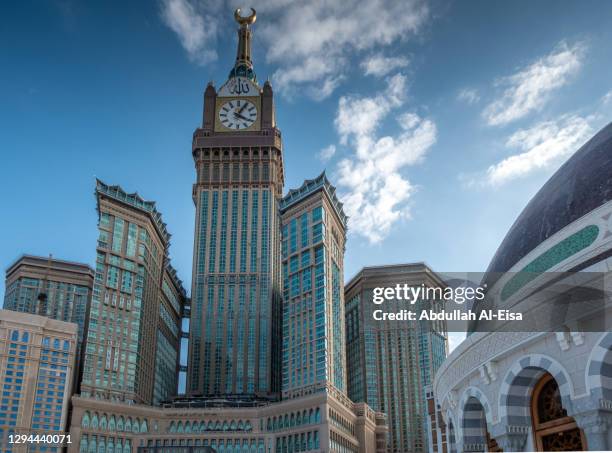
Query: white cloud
197	32
528	89
311	42
360	117
469	95
373	189
607	98
378	65
328	86
327	153
542	146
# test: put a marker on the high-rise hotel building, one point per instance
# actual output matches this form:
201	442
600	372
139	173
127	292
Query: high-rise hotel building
313	414
252	386
37	361
53	288
133	336
313	244
49	287
391	363
235	310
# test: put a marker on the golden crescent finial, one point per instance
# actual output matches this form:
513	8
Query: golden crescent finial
248	20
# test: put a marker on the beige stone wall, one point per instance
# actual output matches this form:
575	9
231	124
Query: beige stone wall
25	393
360	427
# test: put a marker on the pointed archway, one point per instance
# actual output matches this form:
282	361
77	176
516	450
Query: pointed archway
553	429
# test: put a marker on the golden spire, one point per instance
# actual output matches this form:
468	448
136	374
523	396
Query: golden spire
244	65
248	20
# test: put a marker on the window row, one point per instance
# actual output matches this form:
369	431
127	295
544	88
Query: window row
97	444
305	417
196	427
297	442
111	423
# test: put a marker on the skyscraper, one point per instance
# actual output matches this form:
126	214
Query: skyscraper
53	288
314	414
313	244
233	400
390	363
136	305
49	287
235	310
38	364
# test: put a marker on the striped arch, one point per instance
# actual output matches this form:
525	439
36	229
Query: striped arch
517	386
451	432
475	416
599	369
481	397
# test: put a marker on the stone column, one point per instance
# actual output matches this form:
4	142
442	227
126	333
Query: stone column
595	425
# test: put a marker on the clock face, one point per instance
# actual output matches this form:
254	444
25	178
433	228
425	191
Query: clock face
238	114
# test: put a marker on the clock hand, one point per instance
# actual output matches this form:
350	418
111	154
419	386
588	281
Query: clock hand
238	115
242	108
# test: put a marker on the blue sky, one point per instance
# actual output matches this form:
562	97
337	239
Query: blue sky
437	120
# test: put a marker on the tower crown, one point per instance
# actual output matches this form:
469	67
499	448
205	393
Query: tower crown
244	65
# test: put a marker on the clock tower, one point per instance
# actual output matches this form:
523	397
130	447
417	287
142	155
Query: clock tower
235	336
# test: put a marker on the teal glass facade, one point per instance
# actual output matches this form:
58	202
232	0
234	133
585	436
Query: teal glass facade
135	300
166	359
235	325
65	301
234	286
313	355
391	362
168	338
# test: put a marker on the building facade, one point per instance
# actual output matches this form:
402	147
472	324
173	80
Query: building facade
390	363
317	418
37	366
315	423
233	401
53	288
235	309
168	336
50	287
135	319
543	390
313	243
436	427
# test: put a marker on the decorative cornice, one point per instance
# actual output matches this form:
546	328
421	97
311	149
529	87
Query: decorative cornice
57	265
176	281
133	200
311	186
